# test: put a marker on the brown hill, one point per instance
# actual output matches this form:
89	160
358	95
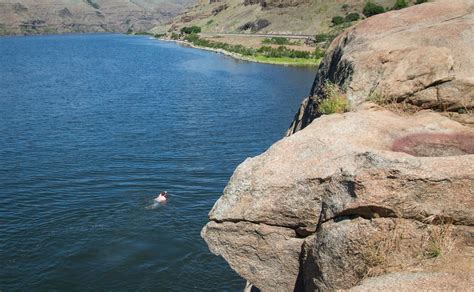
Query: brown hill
266	16
58	16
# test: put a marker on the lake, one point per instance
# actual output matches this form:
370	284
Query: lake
92	127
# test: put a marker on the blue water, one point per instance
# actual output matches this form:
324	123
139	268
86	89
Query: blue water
93	126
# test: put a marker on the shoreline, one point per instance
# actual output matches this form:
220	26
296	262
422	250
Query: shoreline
241	57
261	60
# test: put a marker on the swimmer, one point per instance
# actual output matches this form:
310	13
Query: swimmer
162	197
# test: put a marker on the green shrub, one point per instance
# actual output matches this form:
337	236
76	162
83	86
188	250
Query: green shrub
282	51
143	33
209	22
371	9
323	37
421	1
265	51
174	36
337	20
276	41
399	4
345	6
194	38
318	53
333	101
280	40
333	105
190	30
354	16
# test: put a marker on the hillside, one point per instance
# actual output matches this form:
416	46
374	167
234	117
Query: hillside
266	16
284	32
59	16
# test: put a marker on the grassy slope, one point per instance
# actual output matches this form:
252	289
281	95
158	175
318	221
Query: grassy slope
285	61
251	54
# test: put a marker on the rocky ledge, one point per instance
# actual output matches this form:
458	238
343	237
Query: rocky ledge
420	56
369	199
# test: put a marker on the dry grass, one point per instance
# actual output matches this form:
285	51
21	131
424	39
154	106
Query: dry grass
393	104
398	251
308	17
440	240
466	107
379	254
403	107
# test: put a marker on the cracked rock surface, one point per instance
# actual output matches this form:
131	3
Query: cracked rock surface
421	55
307	213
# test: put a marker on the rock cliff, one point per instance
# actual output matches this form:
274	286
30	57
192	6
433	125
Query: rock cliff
421	56
372	198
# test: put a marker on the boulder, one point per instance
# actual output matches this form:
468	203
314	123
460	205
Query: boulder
421	55
370	199
264	251
321	193
254	26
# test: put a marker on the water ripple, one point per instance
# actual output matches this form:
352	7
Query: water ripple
92	127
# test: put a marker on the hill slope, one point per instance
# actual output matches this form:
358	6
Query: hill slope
57	16
266	16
